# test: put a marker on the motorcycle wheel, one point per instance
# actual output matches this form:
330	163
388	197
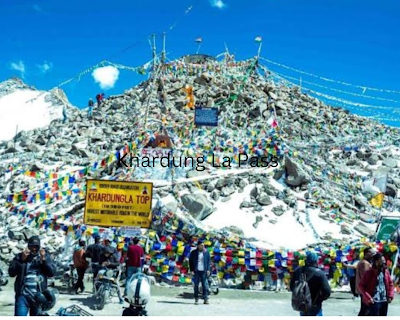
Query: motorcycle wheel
103	299
70	285
215	290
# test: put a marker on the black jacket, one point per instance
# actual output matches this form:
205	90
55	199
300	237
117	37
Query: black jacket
18	269
318	284
193	259
94	252
111	259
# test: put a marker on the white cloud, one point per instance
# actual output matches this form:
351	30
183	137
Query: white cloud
106	76
37	8
218	4
19	66
45	67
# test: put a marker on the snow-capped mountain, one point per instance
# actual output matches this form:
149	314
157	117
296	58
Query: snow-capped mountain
24	108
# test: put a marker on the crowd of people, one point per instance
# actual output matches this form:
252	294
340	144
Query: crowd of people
33	266
369	278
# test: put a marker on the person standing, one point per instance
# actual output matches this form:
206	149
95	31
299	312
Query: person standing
32	267
90	111
80	264
362	267
94	252
134	260
107	244
376	287
317	282
200	266
351	273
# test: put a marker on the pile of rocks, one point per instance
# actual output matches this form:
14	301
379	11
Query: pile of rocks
312	130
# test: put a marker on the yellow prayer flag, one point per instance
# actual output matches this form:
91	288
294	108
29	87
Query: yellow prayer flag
165	268
302	263
180	250
188	280
271	263
241	261
241	253
377	201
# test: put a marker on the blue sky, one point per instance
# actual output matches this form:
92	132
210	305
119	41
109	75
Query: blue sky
47	42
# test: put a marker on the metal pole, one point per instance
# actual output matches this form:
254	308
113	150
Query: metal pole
198	48
395	261
154	49
163	53
259	50
300	83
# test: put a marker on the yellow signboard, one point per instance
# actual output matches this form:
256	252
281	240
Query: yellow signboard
118	203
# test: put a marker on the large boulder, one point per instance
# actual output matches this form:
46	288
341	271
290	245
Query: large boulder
198	205
264	200
364	230
390	162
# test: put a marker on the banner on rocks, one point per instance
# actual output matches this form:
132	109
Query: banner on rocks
155	152
118	203
387	227
131	232
206	116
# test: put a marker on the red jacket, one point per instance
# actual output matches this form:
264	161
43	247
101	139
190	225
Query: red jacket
135	254
368	283
79	258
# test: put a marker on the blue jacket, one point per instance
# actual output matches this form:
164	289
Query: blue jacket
193	259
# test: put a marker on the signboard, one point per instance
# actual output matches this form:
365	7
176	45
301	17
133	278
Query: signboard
118	203
155	152
206	116
387	227
131	232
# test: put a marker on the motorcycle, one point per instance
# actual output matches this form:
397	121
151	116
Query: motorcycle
62	267
106	286
70	278
136	311
213	285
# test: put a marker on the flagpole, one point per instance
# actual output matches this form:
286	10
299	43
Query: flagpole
198	48
395	261
259	50
154	50
163	52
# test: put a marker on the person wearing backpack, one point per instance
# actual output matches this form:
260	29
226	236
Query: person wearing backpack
309	287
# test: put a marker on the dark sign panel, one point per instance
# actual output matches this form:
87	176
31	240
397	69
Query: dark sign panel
206	116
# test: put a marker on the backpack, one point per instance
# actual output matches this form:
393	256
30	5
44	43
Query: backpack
301	295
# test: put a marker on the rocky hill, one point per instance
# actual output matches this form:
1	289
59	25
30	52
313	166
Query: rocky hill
326	156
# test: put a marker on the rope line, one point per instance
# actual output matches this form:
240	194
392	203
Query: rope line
337	90
364	88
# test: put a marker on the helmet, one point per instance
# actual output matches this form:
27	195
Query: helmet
46	299
138	290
